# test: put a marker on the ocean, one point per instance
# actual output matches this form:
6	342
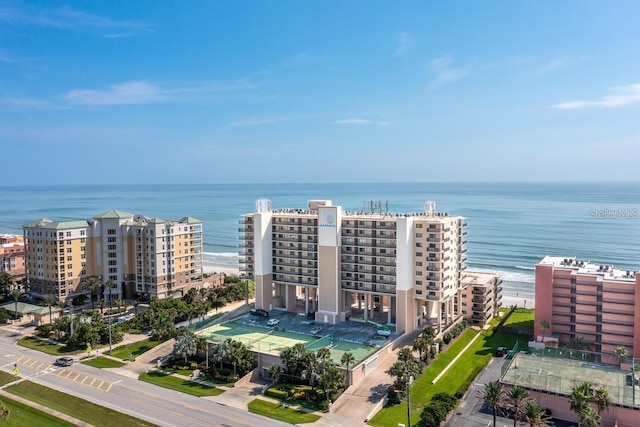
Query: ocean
511	225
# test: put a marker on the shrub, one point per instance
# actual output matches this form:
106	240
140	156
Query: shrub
447	338
394	395
277	394
446	399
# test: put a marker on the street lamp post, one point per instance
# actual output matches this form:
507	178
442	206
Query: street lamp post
110	319
409	400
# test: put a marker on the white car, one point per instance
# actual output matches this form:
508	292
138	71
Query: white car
273	322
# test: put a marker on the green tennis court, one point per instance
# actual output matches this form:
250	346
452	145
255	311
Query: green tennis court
272	341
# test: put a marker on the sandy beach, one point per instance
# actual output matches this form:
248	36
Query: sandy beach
226	269
509	300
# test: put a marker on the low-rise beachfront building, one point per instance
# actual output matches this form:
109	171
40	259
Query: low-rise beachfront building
138	255
403	270
598	304
11	255
481	297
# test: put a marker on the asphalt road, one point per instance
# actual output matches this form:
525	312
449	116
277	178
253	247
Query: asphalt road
157	405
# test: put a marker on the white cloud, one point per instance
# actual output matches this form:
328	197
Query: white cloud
405	42
26	103
445	72
65	18
620	96
355	121
135	92
258	121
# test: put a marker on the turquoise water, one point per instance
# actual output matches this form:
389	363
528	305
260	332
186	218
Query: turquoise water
511	225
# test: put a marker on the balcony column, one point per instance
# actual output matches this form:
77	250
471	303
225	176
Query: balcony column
306	299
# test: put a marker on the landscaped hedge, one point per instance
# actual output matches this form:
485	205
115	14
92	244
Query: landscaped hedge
277	394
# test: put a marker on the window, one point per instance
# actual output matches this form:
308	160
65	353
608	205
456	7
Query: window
113	262
111	247
418	235
418	263
68	234
69	258
113	270
69	250
111	231
111	239
418	225
82	232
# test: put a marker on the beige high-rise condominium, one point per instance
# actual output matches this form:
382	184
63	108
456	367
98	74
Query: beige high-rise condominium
395	269
138	255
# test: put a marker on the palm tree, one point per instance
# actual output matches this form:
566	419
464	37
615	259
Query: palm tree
323	354
535	415
421	345
93	284
15	294
405	354
136	303
49	301
492	395
544	324
517	398
274	372
347	359
589	417
621	353
602	399
579	399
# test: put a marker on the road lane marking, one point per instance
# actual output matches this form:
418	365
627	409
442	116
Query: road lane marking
108	388
94	380
76	377
69	374
84	379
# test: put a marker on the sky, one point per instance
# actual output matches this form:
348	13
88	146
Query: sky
157	92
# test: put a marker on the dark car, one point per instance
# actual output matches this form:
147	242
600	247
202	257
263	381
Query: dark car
501	351
259	312
64	361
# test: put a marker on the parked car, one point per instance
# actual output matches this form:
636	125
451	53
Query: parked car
259	312
273	322
64	361
501	351
316	330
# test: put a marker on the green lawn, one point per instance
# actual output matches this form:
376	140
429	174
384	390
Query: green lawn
280	412
135	349
25	416
472	361
521	318
46	347
6	378
178	384
103	362
83	410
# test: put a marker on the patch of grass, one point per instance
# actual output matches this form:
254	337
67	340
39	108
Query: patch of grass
135	349
103	362
521	318
178	384
46	347
280	412
470	363
83	410
21	415
6	378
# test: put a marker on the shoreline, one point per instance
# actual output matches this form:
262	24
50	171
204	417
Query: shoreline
508	299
